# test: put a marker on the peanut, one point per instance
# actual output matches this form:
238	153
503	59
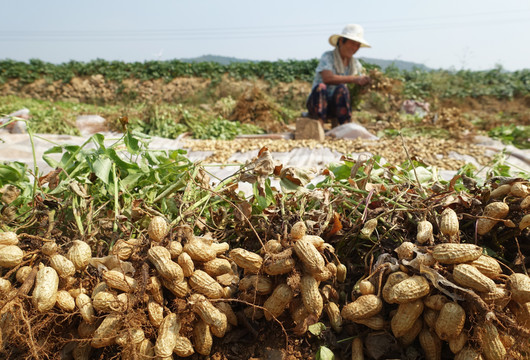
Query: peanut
519	189
341	273
335	319
155	288
525	222
357	349
410	335
405	317
107	331
10	256
363	307
431	344
492	347
5	286
393	279
167	336
468	275
120	281
499	298
220	248
107	302
203	283
146	350
186	263
8	238
519	285
84	304
130	336
424	233
209	314
202	338
155	312
496	210
45	290
376	322
177	288
217	267
368	228
175	249
525	203
435	302
247	260
160	257
405	250
457	344
272	246
410	289
450	253
226	309
279	299
311	296
198	250
79	254
65	301
158	228
309	255
487	266
500	191
260	284
449	223
183	347
278	266
22	273
49	248
366	287
450	321
298	230
62	265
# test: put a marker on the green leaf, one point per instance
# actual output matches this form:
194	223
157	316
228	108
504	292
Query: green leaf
121	164
288	186
132	143
316	329
100	140
324	353
342	172
13	173
101	168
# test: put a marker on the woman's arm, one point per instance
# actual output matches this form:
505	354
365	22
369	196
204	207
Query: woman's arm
332	79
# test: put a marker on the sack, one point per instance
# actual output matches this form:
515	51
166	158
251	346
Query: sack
351	131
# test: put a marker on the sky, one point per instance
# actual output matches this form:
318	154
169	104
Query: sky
448	34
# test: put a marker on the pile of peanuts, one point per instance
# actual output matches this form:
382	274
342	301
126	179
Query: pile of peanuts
424	295
452	292
204	272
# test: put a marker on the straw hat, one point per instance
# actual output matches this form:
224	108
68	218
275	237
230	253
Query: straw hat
353	32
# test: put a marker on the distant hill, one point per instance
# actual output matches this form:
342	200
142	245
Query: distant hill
400	64
225	60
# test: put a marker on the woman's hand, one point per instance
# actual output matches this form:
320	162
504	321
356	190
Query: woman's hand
330	78
362	80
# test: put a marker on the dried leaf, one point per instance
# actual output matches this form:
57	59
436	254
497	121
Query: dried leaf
337	225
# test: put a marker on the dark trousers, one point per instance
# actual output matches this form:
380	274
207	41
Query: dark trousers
337	106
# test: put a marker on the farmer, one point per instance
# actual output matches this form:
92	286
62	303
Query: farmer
330	97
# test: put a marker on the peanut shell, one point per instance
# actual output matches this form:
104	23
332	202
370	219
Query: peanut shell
363	307
450	321
469	276
449	253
